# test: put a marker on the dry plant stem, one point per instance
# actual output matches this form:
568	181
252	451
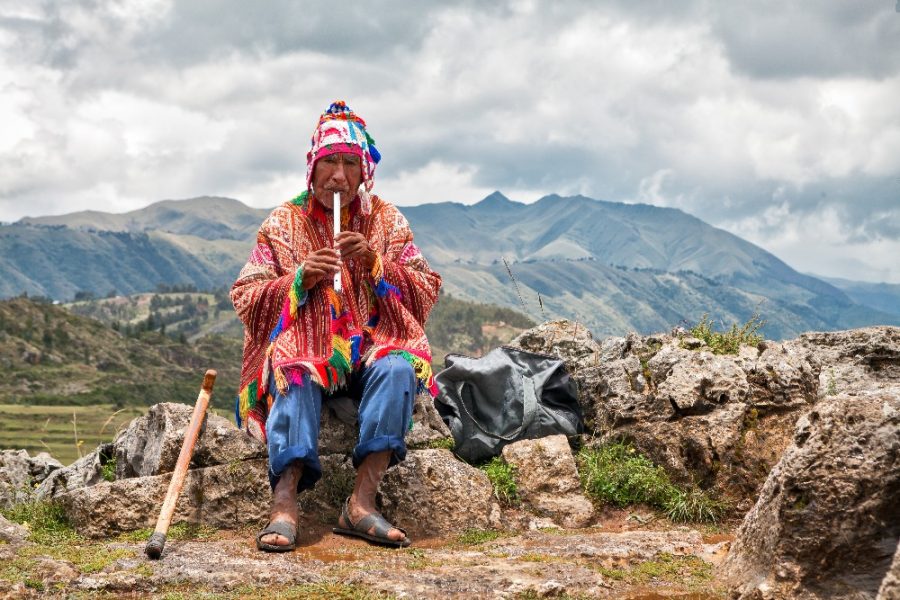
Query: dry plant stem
75	433
515	284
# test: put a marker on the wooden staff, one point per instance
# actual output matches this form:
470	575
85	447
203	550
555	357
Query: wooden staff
158	539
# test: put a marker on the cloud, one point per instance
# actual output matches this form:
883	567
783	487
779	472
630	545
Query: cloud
737	113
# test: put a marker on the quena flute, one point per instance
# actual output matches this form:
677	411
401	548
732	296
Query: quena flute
337	230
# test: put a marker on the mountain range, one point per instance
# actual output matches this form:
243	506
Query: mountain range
614	267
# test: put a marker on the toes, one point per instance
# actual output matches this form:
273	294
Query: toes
273	539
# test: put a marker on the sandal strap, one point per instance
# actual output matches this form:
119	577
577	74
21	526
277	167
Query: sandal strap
382	526
282	528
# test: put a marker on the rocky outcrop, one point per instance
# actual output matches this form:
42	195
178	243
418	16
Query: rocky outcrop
855	360
432	493
224	497
151	443
20	473
719	422
827	520
547	480
86	471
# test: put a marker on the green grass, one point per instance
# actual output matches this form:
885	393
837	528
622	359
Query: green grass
45	521
474	537
52	428
503	480
618	474
730	340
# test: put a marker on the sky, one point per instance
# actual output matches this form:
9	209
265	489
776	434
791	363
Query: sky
776	120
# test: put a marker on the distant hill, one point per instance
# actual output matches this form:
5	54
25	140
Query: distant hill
620	267
615	267
880	296
50	356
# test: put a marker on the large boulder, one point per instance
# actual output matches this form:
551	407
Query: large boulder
224	496
86	471
547	480
432	493
856	359
150	445
21	473
717	421
827	519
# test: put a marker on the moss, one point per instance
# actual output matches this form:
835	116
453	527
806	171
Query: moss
439	444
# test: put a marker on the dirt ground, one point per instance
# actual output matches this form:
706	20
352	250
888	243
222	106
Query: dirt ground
630	554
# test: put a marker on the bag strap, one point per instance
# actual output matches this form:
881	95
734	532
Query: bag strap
529	403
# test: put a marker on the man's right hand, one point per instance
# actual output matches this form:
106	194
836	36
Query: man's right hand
318	265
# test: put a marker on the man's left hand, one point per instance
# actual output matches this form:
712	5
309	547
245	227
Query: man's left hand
353	244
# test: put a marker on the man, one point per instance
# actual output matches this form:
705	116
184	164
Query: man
302	339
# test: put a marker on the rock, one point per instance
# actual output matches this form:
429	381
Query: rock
890	585
857	359
12	533
432	493
717	421
428	427
827	517
86	471
151	443
21	473
547	480
223	496
324	502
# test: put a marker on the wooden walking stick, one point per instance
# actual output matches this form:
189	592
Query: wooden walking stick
158	539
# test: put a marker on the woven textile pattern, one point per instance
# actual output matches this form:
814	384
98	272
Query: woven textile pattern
380	311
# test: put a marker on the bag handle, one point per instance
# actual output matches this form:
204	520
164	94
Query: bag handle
529	409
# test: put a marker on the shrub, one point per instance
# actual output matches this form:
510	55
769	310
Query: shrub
730	341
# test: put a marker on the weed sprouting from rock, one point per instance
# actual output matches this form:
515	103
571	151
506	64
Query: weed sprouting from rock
503	480
731	340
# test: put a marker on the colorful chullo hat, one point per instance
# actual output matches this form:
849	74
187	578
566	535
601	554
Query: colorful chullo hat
341	130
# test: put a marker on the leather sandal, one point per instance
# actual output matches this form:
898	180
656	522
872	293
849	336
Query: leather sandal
361	529
282	528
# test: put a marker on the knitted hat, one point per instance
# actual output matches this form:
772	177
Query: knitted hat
341	130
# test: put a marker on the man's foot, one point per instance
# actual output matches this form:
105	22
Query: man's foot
369	525
284	505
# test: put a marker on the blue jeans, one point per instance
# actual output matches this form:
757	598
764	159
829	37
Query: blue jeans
386	391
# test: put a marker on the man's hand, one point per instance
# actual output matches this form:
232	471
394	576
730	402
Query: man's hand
353	244
319	265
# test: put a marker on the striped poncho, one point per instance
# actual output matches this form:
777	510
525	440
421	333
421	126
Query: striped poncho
289	331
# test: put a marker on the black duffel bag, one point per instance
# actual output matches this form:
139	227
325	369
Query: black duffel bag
505	396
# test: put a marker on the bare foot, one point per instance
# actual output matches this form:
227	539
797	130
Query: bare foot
284	503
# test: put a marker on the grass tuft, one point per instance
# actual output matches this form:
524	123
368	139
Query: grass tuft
618	474
474	537
731	340
503	480
45	521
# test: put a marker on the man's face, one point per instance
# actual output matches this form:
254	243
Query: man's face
341	172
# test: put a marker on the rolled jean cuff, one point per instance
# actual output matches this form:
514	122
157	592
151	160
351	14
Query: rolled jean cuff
379	444
312	469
